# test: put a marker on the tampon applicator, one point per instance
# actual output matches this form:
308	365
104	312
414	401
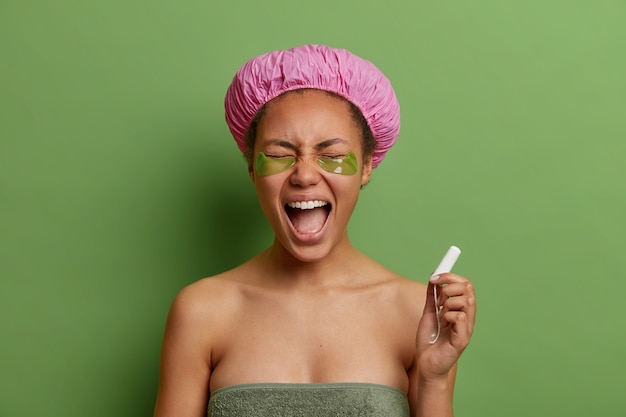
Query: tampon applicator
446	264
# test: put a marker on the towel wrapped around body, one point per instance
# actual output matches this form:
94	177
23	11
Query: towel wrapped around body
308	400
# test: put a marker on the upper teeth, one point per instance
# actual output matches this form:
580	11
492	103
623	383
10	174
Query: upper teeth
306	205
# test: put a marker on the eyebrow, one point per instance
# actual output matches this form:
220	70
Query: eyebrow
330	142
322	145
281	143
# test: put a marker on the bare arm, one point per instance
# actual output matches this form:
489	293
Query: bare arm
432	397
433	375
185	360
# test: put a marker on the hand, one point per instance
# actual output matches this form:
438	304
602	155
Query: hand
457	304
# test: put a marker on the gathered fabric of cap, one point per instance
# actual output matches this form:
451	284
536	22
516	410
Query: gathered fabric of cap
318	67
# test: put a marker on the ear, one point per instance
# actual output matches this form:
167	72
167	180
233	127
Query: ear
367	171
252	174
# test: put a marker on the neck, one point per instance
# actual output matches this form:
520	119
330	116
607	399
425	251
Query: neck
335	268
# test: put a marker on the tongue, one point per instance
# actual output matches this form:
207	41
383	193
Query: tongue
308	221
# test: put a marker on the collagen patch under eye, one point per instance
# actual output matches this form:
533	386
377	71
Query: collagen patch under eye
270	166
345	165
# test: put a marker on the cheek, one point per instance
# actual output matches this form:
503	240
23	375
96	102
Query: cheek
268	190
346	189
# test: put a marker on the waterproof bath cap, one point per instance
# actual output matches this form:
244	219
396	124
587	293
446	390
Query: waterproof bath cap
319	67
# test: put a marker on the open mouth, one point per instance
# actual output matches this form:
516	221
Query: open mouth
308	217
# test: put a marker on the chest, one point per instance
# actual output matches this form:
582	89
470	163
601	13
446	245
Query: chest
312	341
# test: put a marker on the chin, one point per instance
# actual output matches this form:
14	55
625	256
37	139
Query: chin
310	256
302	253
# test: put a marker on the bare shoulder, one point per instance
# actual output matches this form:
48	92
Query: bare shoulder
410	295
201	318
406	295
196	325
208	299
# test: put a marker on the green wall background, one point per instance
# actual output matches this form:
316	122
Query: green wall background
120	184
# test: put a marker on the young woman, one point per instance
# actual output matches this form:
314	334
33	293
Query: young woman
311	326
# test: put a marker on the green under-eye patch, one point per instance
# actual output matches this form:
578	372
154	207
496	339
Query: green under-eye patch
270	166
345	165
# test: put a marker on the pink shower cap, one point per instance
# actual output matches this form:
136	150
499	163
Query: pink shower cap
319	67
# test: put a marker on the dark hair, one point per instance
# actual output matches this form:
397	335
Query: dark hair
368	142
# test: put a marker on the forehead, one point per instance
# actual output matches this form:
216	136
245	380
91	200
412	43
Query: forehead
308	117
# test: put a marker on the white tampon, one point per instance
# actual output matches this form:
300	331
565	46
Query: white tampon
448	261
446	264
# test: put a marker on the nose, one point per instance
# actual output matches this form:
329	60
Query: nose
306	172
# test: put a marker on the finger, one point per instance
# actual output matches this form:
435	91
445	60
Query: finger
457	289
469	301
461	289
460	332
461	303
444	293
465	302
447	278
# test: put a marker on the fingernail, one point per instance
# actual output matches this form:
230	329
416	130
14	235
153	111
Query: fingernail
434	278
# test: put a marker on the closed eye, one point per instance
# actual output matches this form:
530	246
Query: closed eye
344	164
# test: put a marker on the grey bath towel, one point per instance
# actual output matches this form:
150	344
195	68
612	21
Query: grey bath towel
308	400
